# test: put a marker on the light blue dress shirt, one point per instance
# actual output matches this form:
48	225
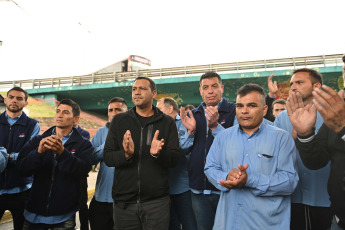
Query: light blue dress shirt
105	177
312	187
264	201
14	155
178	176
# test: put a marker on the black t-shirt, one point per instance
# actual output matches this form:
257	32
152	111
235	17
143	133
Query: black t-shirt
143	120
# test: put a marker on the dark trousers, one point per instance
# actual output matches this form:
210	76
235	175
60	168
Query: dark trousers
181	212
305	217
204	207
15	204
151	215
84	211
66	225
101	215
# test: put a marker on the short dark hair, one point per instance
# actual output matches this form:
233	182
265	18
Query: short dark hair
248	88
189	106
278	101
170	101
118	99
20	90
152	83
210	74
73	104
315	76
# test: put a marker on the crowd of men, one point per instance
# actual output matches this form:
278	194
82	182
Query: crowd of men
258	163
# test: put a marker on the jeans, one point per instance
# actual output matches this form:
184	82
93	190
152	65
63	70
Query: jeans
181	212
150	215
66	225
101	215
205	207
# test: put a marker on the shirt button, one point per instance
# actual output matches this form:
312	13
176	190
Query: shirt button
246	155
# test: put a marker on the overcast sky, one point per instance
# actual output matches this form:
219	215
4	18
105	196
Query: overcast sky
59	38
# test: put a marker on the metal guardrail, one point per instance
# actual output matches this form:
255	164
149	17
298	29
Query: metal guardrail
185	71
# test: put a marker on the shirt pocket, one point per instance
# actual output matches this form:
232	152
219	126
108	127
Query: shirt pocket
266	163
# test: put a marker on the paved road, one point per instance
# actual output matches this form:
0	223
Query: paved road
91	186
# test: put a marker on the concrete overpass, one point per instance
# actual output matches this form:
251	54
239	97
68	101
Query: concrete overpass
92	92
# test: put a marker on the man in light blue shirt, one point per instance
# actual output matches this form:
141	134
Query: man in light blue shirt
310	208
254	165
16	129
181	212
101	206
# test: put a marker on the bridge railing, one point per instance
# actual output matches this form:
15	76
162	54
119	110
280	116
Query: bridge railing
185	71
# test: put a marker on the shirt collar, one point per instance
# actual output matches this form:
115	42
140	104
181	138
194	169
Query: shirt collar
14	119
261	127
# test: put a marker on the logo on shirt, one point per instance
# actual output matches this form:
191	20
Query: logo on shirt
222	122
73	151
21	135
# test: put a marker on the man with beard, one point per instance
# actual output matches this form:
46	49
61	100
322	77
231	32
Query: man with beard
16	128
310	208
142	144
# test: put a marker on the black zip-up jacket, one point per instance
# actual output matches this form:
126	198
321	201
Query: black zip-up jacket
142	177
56	185
324	147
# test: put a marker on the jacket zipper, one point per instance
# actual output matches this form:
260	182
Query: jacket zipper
205	154
51	187
8	143
140	152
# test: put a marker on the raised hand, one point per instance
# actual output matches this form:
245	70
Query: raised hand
236	178
331	106
188	121
128	144
212	116
156	145
272	86
302	118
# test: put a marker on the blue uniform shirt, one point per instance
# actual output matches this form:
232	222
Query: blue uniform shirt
264	201
105	175
312	187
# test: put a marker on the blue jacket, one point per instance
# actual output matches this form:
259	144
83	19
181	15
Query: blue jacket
203	139
13	138
56	185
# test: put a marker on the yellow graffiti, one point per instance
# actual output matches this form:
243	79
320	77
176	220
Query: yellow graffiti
175	96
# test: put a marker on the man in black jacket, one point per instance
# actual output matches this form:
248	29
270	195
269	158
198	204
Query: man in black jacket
58	159
142	144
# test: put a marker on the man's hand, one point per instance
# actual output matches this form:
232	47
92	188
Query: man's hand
156	145
212	115
236	178
128	144
57	147
302	118
188	121
331	106
53	143
272	86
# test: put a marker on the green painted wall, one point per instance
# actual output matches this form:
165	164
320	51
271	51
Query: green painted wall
185	90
